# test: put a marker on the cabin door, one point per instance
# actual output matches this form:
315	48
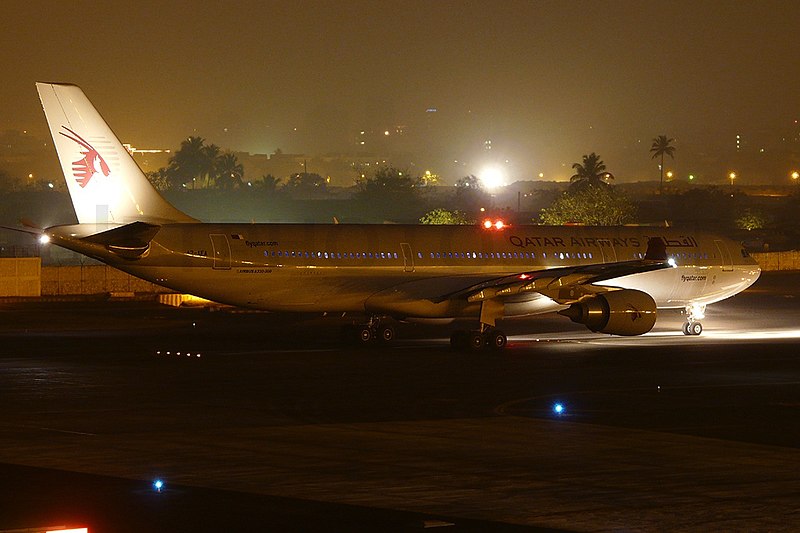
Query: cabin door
725	256
221	250
408	257
608	251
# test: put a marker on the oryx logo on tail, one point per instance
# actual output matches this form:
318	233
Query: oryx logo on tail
92	162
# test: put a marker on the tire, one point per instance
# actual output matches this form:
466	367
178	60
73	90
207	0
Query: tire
365	335
387	334
476	341
696	328
685	328
497	339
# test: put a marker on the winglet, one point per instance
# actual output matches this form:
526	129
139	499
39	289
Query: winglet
656	249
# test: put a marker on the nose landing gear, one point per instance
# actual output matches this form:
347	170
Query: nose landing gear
694	313
692	328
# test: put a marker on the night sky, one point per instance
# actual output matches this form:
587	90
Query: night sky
545	81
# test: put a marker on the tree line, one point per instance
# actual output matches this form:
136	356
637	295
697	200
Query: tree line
591	199
199	165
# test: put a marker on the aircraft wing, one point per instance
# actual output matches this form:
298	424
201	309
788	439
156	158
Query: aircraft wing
563	285
447	295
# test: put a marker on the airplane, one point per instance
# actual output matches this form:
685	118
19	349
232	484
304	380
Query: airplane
611	279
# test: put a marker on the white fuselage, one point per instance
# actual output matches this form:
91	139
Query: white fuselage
394	269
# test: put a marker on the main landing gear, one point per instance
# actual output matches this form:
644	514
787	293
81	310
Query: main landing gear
372	331
486	337
694	313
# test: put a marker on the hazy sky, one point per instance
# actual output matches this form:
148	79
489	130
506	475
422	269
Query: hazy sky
547	81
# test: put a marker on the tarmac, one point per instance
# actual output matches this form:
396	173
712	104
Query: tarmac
259	422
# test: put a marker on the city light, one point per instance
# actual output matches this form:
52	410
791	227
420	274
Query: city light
732	176
492	177
795	175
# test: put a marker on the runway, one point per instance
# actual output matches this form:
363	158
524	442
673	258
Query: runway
260	421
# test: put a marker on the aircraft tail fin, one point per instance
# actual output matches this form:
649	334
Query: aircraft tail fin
104	182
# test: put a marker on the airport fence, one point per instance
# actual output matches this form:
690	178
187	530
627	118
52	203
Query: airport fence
770	261
93	279
20	276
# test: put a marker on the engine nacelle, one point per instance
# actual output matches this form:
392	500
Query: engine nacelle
622	312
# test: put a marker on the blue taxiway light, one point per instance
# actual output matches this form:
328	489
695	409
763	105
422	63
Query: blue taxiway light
158	485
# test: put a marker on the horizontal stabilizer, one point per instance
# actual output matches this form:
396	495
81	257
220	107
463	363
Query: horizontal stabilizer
129	241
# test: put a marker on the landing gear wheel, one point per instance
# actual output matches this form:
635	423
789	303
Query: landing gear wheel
476	341
365	335
496	339
692	328
386	334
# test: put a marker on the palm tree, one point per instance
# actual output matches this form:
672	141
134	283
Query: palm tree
592	172
661	146
189	161
229	171
270	183
211	160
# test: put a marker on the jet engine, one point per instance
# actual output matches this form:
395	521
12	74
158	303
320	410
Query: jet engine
622	312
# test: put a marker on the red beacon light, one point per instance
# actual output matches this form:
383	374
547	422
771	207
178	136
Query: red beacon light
496	225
